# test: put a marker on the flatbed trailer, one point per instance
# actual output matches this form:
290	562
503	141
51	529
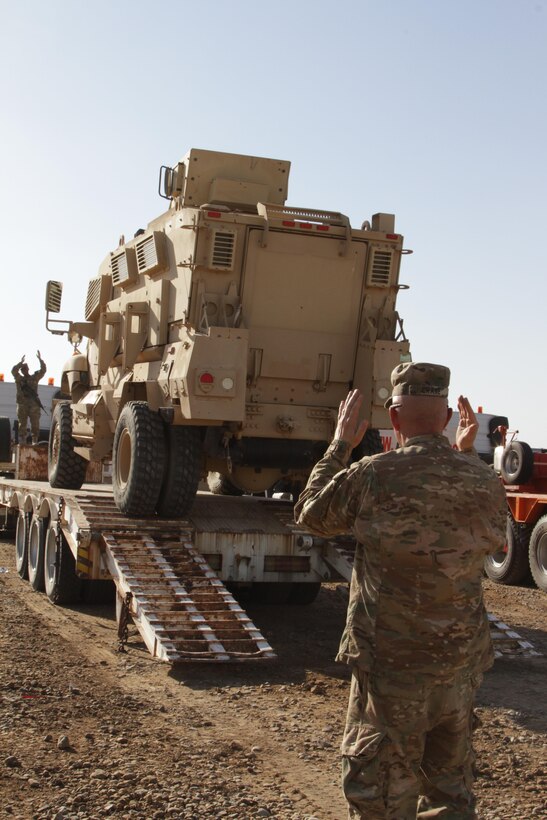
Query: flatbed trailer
171	576
176	578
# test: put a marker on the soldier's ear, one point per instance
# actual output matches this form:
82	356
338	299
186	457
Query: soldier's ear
394	417
449	413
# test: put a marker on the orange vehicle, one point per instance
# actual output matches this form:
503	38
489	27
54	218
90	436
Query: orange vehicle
524	474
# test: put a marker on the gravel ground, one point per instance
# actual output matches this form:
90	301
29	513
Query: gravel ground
86	732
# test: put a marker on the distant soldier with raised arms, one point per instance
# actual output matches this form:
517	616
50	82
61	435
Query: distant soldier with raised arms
28	401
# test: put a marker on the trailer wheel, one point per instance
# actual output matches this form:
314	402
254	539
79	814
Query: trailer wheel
36	549
61	584
510	564
5	439
21	544
138	459
220	484
517	463
538	553
182	471
303	593
66	469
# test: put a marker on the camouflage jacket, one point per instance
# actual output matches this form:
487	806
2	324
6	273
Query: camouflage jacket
27	386
424	517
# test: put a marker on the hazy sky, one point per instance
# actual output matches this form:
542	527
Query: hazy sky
431	110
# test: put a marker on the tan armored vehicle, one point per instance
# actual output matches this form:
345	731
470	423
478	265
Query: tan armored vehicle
222	338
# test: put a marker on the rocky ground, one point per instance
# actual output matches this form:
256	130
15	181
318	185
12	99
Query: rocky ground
86	732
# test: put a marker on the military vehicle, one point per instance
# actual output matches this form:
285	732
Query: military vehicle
222	338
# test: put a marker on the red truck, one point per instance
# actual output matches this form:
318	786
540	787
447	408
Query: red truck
524	474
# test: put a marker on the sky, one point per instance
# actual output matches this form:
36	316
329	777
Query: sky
433	111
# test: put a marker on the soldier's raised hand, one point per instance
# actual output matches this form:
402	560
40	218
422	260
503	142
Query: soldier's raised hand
468	426
348	427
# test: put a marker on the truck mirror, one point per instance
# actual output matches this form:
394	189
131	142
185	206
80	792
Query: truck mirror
165	184
171	180
54	292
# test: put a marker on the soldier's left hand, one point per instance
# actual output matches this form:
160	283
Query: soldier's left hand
468	426
348	427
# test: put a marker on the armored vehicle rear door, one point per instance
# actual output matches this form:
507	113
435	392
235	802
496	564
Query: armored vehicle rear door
302	301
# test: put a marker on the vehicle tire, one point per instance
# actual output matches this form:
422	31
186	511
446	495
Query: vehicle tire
182	471
21	544
66	469
138	459
538	553
493	433
510	565
220	484
61	584
517	463
5	439
369	446
304	593
36	549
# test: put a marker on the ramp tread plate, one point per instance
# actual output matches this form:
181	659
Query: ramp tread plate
183	611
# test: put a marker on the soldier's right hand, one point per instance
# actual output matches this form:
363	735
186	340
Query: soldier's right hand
348	427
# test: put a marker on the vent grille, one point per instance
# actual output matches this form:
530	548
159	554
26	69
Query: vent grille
380	269
99	292
151	253
222	256
124	267
120	271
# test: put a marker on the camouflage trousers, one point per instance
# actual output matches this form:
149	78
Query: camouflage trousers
407	749
28	410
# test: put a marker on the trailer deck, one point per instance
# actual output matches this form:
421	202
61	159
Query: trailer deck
166	572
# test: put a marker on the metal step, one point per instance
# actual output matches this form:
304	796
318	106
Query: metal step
181	608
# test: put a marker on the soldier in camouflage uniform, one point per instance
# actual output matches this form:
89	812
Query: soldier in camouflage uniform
417	636
28	402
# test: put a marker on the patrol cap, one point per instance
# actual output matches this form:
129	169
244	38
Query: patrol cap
419	379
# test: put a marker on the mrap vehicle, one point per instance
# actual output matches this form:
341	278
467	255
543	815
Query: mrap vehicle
222	338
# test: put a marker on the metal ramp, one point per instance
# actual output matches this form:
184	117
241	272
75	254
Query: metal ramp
181	608
339	554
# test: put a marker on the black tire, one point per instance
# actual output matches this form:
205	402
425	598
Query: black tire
517	463
61	584
538	553
182	471
21	544
5	439
493	433
510	565
138	460
220	484
36	548
369	446
66	469
302	593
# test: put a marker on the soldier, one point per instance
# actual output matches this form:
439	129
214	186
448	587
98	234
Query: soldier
417	636
28	402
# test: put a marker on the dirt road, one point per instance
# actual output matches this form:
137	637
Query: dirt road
86	732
